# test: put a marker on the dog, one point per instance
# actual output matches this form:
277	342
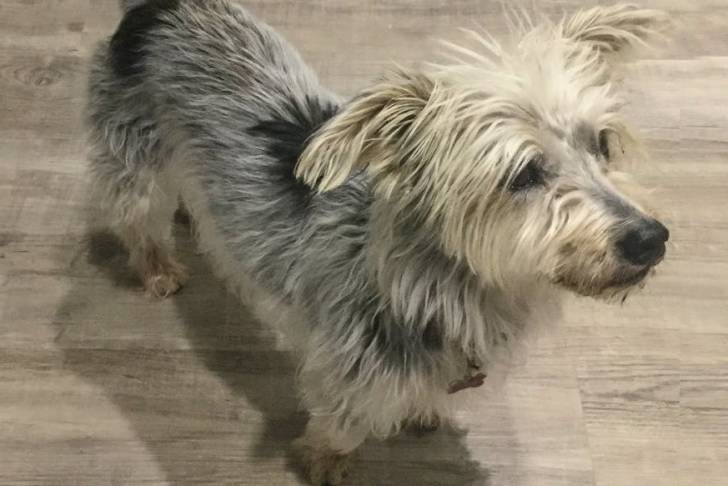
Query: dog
401	239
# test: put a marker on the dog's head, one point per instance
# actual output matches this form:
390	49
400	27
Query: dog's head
511	155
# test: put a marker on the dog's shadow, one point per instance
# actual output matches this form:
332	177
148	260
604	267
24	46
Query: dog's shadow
226	408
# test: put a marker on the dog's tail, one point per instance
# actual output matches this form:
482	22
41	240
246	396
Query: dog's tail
128	5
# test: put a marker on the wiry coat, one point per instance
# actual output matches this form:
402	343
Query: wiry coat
227	135
199	100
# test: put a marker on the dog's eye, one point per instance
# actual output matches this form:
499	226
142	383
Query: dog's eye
604	144
530	175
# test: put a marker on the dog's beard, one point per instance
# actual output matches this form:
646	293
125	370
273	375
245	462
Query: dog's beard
615	285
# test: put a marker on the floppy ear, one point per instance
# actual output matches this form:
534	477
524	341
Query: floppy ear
367	133
615	28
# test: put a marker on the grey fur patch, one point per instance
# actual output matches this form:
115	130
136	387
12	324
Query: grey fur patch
286	138
584	137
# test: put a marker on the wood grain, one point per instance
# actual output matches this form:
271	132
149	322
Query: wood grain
102	385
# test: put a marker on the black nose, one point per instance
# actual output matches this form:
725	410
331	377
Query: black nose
644	242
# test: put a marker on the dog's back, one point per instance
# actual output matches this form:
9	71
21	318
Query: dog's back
202	98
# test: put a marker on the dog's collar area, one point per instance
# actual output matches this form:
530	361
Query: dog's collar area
473	378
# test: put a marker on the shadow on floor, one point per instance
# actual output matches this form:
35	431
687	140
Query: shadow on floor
197	405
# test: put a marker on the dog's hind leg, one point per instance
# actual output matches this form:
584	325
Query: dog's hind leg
129	171
146	232
138	204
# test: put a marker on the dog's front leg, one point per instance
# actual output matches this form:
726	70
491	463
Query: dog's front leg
326	448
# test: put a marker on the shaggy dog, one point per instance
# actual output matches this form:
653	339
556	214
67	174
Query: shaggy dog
401	239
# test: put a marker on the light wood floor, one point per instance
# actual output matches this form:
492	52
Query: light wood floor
100	384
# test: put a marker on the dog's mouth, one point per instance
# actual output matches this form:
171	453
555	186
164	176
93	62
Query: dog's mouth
630	278
625	278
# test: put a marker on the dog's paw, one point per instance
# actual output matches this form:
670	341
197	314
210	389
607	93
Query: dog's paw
166	280
323	467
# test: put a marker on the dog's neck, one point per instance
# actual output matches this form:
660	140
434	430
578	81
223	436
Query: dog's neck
423	285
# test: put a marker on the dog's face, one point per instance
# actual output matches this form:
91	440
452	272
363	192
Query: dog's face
511	156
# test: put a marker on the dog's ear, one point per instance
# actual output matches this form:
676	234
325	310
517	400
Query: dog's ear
367	133
615	29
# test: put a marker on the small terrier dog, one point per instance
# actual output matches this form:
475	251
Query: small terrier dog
401	239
